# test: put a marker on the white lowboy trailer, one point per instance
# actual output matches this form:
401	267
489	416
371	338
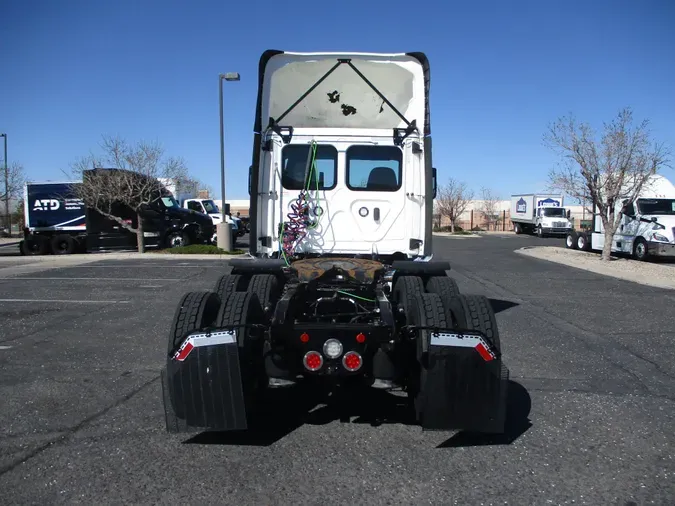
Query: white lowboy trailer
647	227
544	214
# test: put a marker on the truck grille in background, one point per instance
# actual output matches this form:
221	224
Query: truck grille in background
559	224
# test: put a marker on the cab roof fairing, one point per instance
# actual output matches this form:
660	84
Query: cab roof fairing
343	99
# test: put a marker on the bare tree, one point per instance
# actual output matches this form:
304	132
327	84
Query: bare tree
606	171
12	190
489	207
132	182
452	199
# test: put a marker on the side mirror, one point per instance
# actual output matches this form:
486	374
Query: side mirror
226	209
568	214
434	182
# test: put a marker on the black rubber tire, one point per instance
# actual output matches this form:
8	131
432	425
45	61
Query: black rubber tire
243	308
640	250
445	286
408	286
195	310
582	242
517	228
571	240
184	237
63	244
35	245
230	283
540	232
480	316
425	310
267	288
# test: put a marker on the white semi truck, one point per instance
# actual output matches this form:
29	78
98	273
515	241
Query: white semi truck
189	200
647	227
543	214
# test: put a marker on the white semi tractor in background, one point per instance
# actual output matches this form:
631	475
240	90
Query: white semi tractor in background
543	214
647	227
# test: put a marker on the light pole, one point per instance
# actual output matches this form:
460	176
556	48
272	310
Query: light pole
223	229
8	220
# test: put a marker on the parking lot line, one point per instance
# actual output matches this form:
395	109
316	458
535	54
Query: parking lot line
68	301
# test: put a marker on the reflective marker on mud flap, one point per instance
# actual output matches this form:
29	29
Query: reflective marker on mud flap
199	340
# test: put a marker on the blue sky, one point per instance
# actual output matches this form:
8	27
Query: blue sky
73	70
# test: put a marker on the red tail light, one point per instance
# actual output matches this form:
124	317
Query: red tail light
352	361
360	338
313	360
304	337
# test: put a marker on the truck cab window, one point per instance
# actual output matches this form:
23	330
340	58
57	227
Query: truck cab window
374	168
629	210
195	206
169	202
294	163
210	206
554	212
656	206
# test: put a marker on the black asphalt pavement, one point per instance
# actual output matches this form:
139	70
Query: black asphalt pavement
591	408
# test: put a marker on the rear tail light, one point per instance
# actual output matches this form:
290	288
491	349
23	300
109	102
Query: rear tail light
360	338
352	361
313	360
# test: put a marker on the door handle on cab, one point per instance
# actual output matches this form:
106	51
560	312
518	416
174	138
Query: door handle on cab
376	214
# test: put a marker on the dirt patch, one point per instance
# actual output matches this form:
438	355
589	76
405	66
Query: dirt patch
645	273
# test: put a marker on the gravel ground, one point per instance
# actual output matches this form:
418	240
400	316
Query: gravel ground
651	274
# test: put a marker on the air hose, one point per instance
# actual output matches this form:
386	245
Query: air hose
295	229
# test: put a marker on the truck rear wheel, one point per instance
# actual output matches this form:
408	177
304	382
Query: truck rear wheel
237	311
230	283
445	286
408	286
195	310
63	244
571	240
425	310
267	288
35	245
479	315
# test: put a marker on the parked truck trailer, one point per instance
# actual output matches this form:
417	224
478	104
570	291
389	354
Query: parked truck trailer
58	222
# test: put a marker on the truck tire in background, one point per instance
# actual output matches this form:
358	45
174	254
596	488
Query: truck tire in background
571	240
34	245
640	250
63	244
517	228
583	242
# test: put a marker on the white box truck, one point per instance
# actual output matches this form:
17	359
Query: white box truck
543	214
647	227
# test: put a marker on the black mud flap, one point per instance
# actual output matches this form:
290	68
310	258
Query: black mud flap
202	385
465	384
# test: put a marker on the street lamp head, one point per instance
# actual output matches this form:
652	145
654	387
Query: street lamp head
230	76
